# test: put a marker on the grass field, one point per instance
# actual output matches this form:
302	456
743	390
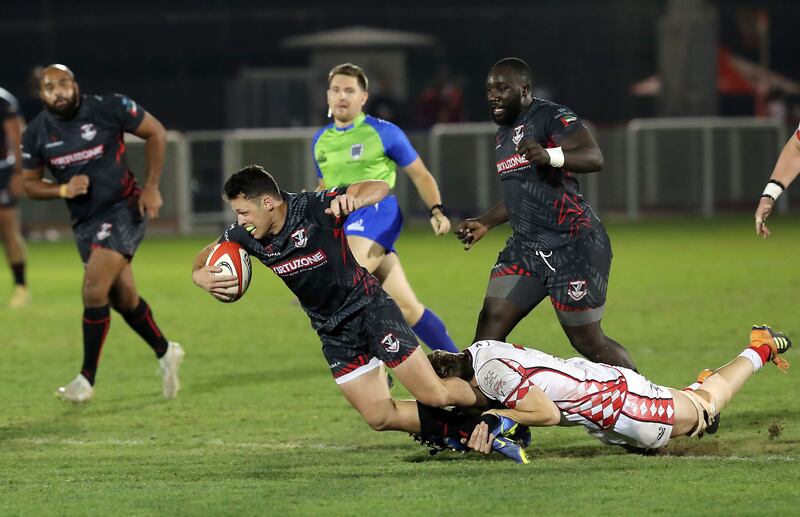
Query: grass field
260	428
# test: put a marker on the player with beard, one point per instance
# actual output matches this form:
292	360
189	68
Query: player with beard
356	147
79	138
11	126
301	238
558	247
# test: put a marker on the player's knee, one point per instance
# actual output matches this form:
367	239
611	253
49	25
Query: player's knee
94	294
379	421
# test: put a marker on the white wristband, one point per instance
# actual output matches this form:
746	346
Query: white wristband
772	190
556	157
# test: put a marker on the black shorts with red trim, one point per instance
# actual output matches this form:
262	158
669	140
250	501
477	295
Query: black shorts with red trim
575	277
120	229
377	332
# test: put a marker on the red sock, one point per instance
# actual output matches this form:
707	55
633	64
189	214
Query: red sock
763	351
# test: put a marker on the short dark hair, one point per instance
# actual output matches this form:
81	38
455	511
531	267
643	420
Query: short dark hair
351	70
448	364
520	68
251	182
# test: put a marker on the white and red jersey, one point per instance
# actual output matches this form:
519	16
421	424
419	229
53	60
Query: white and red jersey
616	405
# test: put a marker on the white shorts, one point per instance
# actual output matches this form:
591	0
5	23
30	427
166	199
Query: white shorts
647	415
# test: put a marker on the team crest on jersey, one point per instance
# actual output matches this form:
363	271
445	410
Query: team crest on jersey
390	343
300	238
88	132
356	150
519	133
104	232
577	289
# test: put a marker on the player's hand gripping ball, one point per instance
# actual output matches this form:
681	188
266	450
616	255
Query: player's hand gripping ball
235	261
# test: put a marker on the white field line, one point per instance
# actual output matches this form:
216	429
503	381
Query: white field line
148	443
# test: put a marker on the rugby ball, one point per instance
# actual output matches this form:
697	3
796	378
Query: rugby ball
233	260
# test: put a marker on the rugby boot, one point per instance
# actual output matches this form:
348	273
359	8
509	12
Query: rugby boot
778	343
438	444
504	443
20	298
169	364
522	435
79	390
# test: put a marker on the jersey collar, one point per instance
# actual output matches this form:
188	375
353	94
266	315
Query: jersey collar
356	122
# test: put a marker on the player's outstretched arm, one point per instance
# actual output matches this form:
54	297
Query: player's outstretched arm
786	170
534	409
155	138
206	277
577	153
36	187
429	193
363	193
472	230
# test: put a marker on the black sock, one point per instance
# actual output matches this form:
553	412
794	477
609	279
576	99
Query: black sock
96	321
435	421
18	270
141	320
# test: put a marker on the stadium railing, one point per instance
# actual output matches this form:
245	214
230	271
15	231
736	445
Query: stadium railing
685	165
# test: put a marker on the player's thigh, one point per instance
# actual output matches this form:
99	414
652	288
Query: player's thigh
102	270
124	295
367	252
394	281
579	284
686	416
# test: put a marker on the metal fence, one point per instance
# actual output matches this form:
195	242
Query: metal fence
671	165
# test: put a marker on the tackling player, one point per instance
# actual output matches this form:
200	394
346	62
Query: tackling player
79	138
786	170
559	248
11	126
356	147
300	237
616	405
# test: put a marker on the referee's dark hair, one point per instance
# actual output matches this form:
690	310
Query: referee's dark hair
251	182
519	67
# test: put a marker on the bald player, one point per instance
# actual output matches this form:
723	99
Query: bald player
559	248
79	139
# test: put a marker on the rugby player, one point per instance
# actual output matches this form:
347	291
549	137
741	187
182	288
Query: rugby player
79	138
615	404
11	127
300	237
356	147
559	248
786	170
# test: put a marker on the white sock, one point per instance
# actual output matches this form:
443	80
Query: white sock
752	356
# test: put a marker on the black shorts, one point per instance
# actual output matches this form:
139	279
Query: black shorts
120	229
377	333
7	199
574	276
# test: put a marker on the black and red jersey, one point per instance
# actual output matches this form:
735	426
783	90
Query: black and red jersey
311	256
545	207
89	143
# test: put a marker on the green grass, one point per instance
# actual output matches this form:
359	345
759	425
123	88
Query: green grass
260	427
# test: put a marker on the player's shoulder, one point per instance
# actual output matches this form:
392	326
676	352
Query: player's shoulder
321	131
36	126
8	99
545	108
382	126
114	101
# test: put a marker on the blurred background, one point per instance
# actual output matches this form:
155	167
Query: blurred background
690	100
